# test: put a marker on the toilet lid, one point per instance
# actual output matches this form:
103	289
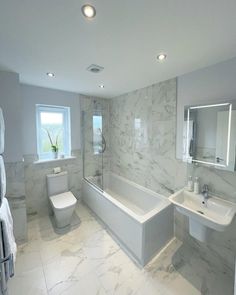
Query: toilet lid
63	200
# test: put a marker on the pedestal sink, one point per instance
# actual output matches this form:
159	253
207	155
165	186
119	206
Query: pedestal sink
204	216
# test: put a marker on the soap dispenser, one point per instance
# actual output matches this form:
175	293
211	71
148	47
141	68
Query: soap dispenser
196	185
190	184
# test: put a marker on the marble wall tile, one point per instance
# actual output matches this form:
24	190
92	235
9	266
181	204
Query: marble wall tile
15	176
221	183
15	179
142	137
220	248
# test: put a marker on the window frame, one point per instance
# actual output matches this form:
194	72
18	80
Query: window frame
65	111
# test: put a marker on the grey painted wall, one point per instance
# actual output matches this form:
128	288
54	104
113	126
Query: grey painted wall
11	104
32	95
211	84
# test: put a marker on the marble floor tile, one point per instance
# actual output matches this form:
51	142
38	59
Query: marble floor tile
88	284
30	282
86	260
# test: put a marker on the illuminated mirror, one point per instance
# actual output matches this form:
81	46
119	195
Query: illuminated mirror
209	135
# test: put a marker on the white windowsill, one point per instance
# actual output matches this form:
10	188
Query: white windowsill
54	160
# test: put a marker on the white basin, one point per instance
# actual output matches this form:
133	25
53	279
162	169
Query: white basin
214	214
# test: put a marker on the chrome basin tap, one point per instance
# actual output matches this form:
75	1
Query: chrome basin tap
205	192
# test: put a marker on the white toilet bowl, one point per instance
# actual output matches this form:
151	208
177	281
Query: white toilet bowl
63	206
63	202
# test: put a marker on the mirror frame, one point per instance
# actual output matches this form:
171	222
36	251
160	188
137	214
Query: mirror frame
187	109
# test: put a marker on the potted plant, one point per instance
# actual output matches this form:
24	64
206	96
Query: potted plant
54	147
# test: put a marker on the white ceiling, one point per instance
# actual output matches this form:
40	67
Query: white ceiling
38	36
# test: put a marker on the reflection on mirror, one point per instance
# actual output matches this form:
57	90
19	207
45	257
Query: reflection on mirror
209	135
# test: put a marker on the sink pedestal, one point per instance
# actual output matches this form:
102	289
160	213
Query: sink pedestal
198	230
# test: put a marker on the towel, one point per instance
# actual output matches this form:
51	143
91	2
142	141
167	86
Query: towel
8	236
188	147
2	132
2	180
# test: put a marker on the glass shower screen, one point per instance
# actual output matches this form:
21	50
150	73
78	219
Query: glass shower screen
94	146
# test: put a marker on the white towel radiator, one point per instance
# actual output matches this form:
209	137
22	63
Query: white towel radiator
6	264
6	261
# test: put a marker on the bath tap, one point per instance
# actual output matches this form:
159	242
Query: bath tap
205	192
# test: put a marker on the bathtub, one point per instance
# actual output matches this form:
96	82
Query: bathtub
138	218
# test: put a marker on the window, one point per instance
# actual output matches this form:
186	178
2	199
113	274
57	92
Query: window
97	134
53	129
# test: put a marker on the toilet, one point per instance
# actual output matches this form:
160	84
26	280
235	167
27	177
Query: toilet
62	201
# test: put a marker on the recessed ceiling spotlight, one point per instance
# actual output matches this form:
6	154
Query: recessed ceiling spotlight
161	56
101	86
51	75
88	11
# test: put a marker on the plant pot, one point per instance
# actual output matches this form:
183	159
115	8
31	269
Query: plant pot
55	155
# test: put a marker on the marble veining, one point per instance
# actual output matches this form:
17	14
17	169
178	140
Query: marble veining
15	175
142	137
221	246
86	260
221	182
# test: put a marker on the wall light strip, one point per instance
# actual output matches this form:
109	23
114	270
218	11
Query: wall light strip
229	131
209	106
188	143
208	163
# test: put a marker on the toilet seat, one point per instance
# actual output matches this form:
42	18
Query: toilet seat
63	201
